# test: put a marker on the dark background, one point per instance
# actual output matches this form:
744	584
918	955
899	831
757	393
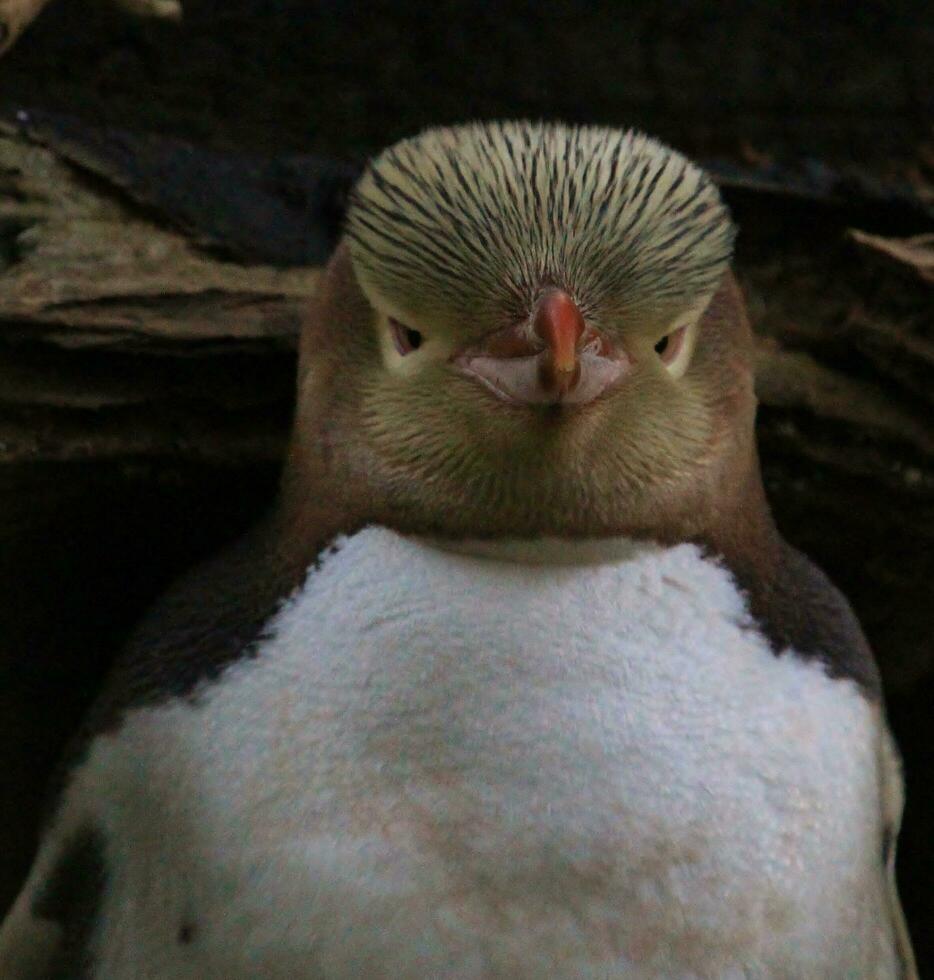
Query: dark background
838	82
85	545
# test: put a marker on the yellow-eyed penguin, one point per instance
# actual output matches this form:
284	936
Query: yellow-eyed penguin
518	680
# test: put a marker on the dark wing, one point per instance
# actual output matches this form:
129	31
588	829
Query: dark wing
799	608
207	621
47	934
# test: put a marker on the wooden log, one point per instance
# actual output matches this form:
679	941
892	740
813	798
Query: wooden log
17	15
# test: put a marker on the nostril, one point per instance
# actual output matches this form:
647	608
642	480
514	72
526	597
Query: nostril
404	338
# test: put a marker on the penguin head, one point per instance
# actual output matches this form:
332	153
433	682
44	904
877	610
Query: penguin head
530	328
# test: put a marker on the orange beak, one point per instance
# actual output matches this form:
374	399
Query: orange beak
560	324
563	362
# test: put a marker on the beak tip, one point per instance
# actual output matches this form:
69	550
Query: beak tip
559	379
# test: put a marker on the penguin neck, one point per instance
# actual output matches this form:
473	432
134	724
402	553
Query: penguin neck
728	517
550	550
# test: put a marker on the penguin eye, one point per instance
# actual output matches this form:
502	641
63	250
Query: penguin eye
404	338
670	345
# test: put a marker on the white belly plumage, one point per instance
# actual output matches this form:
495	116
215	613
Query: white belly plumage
442	765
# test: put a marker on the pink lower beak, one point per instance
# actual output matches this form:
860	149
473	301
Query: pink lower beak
554	359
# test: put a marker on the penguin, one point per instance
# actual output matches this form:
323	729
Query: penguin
518	678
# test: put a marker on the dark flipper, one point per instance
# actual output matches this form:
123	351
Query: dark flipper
798	608
49	932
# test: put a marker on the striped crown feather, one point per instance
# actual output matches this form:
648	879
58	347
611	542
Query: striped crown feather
481	216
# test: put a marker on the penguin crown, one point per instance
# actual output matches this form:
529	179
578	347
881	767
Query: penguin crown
482	216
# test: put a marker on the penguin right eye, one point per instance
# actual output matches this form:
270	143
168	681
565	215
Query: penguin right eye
404	338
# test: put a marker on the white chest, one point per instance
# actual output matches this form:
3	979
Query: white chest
442	765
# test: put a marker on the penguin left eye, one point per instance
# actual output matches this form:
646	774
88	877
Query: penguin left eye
404	338
670	345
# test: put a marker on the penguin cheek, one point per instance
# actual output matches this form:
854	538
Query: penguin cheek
657	417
